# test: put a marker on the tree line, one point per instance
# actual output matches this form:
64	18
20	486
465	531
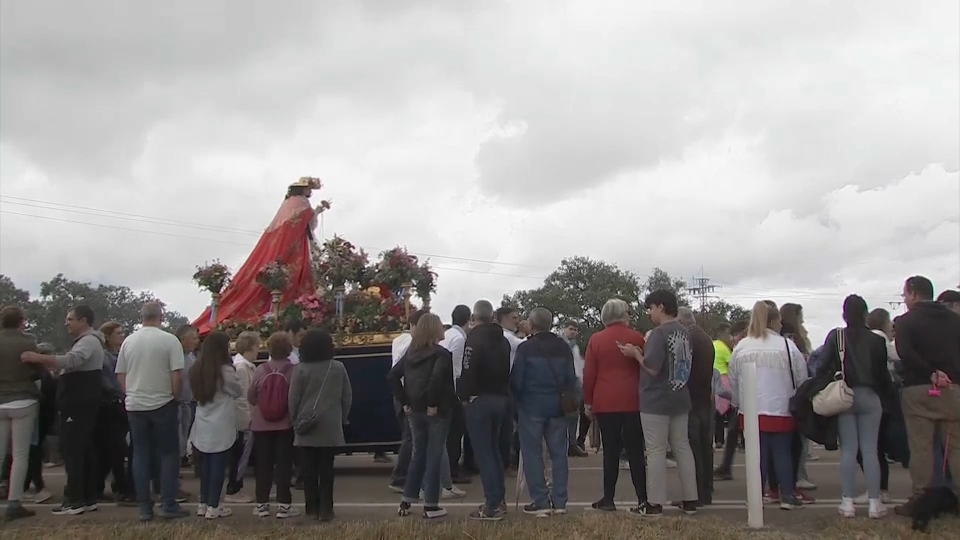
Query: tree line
46	312
578	288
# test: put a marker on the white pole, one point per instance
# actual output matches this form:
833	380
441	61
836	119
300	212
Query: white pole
751	436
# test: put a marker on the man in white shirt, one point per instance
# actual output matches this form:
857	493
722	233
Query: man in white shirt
454	340
400	345
296	330
569	331
150	370
509	319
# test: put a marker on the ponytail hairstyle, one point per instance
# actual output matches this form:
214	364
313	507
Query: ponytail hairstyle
764	316
855	314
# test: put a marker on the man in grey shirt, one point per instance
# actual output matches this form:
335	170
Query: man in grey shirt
79	394
665	363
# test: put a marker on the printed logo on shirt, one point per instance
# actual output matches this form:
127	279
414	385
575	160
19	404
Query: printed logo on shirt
680	359
467	353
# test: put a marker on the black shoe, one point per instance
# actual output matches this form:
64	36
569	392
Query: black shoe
647	510
687	507
534	510
17	511
404	509
483	515
604	505
434	512
326	517
576	451
176	513
722	475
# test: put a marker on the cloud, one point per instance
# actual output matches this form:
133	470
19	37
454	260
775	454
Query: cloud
807	151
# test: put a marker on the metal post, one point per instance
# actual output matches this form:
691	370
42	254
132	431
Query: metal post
751	436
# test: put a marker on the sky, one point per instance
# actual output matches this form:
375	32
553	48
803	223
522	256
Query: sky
798	151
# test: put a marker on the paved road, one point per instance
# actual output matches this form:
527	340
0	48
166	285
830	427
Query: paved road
361	492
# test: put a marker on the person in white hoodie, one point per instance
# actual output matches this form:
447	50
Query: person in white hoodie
780	370
247	347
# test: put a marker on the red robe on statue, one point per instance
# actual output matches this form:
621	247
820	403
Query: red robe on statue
286	239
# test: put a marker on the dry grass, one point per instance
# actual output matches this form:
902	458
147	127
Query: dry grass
587	527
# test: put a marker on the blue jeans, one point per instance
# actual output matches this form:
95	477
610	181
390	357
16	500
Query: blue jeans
533	432
156	432
213	472
429	440
399	476
485	417
859	430
776	453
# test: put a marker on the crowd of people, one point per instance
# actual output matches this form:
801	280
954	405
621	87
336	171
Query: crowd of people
486	394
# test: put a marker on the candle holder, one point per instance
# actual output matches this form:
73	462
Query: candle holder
214	307
406	286
275	297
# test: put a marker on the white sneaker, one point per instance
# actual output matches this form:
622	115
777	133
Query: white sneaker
671	464
214	512
453	493
237	498
806	485
862	498
877	509
846	508
261	510
286	511
42	496
201	510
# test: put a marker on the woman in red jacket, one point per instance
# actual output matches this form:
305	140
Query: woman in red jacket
611	395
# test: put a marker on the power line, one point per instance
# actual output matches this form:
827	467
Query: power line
702	290
115	228
100	212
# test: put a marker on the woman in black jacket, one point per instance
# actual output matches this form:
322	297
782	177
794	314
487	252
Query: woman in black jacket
863	366
422	382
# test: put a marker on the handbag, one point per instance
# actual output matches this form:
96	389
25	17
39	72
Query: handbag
569	403
836	397
306	420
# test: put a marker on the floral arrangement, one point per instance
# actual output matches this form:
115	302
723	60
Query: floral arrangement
395	268
314	310
425	283
274	276
212	277
263	326
341	263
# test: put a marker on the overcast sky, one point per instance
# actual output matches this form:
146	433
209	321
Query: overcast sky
798	151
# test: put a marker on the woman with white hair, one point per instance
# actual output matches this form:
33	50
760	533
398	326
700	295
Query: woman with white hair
611	395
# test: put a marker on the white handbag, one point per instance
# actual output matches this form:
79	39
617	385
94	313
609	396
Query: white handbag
837	397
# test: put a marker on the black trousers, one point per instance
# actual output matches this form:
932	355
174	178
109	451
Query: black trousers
619	431
700	432
234	478
732	441
111	442
274	451
720	428
79	451
455	437
796	450
583	428
317	475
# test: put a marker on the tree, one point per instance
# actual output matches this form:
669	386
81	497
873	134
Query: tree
580	286
659	279
720	312
578	289
45	314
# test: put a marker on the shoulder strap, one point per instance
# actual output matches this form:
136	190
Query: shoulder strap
841	351
324	383
793	382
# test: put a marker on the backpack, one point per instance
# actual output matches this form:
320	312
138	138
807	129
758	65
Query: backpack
272	402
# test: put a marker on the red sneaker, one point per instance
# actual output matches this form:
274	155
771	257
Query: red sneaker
803	497
771	497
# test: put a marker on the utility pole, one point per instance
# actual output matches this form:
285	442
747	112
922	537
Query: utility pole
701	289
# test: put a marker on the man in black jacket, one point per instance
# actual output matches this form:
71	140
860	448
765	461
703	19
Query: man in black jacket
928	342
484	390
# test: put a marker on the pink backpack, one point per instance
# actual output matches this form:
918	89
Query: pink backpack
272	401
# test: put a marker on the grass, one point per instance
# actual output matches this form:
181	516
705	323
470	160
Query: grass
587	527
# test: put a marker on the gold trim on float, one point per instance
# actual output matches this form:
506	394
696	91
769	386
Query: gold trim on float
350	340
